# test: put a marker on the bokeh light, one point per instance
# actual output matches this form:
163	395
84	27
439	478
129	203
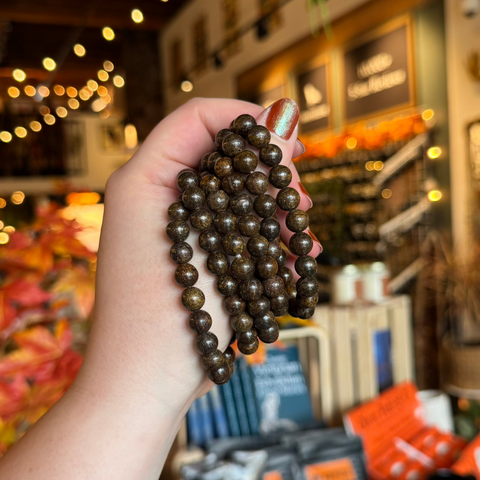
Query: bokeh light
108	33
20	132
386	193
62	112
186	86
3	204
103	75
17	198
434	152
19	75
72	92
434	195
79	50
49	64
44	110
92	85
102	91
137	16
35	126
49	119
59	90
108	66
13	92
30	90
118	81
4	238
43	91
5	137
73	103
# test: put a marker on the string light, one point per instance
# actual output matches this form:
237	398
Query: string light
17	198
73	103
378	166
84	94
13	92
370	166
186	86
43	91
386	193
434	152
103	75
49	64
108	33
434	195
59	90
9	229
5	137
3	204
4	238
102	91
1	223
35	126
20	132
108	66
19	75
118	81
351	143
49	119
137	16
92	85
428	114
106	99
62	112
30	91
79	50
131	138
72	92
44	110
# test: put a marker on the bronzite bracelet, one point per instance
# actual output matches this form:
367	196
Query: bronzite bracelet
229	205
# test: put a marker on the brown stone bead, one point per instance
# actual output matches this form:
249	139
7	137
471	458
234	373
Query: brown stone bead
248	348
265	205
177	211
245	162
297	220
218	201
201	219
186	275
280	176
275	250
300	243
307	302
242	322
210	183
220	375
206	343
291	290
221	136
233	244
299	312
249	225
233	144
213	360
210	241
235	304
243	124
229	355
193	198
212	160
248	336
233	184
279	304
243	268
181	252
200	322
307	286
286	275
251	289
266	267
306	266
223	167
259	307
264	321
258	136
187	178
241	204
288	199
269	335
282	258
273	286
225	222
178	231
257	183
257	246
193	299
218	263
270	229
204	162
271	155
227	285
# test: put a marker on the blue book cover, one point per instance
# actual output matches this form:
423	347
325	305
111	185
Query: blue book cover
240	402
382	342
206	419
229	402
248	395
219	414
281	393
194	429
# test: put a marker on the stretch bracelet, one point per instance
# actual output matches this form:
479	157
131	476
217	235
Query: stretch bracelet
228	203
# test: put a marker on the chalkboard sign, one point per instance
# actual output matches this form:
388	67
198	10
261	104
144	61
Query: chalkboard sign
313	99
378	74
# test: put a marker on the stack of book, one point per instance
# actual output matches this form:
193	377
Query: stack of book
259	399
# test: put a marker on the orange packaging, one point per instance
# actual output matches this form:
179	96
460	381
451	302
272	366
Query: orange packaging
341	469
393	466
273	476
424	439
469	461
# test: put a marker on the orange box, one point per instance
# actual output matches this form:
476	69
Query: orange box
469	461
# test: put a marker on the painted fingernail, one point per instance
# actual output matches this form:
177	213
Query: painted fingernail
283	118
304	191
315	240
301	146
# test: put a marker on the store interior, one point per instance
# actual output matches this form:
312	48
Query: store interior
383	381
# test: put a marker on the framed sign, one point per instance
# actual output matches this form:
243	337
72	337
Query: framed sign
378	73
313	98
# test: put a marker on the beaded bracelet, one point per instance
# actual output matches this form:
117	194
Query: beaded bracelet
258	286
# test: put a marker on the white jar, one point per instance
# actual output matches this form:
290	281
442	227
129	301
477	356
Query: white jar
346	285
375	280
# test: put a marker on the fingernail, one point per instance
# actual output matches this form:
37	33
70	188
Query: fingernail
302	146
315	240
304	191
283	118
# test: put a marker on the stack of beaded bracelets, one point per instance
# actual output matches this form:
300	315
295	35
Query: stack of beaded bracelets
257	286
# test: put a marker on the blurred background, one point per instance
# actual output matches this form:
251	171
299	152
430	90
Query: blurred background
384	380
